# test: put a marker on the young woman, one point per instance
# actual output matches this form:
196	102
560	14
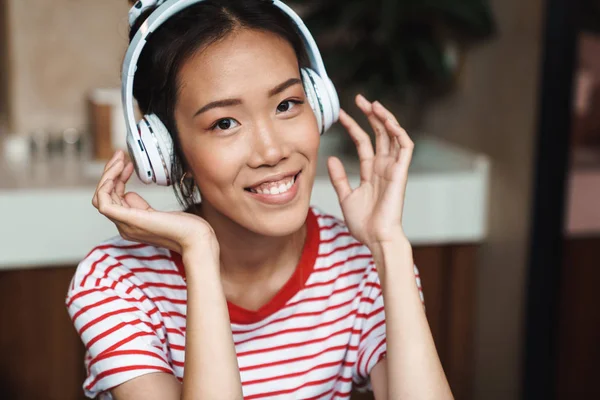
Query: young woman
251	292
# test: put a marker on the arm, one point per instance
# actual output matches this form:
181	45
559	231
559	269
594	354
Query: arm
412	369
211	369
373	214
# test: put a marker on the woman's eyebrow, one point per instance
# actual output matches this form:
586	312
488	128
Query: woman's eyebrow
282	86
234	102
218	103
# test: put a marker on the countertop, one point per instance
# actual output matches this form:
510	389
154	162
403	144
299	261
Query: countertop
46	216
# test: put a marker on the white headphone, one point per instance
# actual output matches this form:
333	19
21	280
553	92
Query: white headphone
149	143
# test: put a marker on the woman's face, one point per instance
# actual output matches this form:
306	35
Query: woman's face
243	118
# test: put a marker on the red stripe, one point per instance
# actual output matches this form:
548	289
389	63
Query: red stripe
337	236
104	316
345	395
302	301
366	373
327	216
320	395
155	271
180	364
303	358
113	371
153	257
365	337
337	291
117	327
114	246
83	293
304	314
127	353
127	246
97	304
311	383
377	325
176	331
374	285
176	346
336	224
173	314
292	375
127	340
168	299
342	262
305	328
92	269
338	249
329	282
304	343
106	272
162	285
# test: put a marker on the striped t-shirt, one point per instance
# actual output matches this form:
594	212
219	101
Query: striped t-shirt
319	336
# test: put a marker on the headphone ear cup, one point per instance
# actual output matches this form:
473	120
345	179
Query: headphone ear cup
137	153
165	146
311	95
159	148
318	90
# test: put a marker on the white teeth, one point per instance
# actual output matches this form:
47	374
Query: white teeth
282	188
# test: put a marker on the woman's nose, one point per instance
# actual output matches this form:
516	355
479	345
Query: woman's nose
269	147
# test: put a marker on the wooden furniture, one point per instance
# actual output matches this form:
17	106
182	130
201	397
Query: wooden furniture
578	327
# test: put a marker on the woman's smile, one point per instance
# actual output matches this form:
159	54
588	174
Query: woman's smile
277	193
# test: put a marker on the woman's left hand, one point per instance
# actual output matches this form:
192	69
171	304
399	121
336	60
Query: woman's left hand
373	210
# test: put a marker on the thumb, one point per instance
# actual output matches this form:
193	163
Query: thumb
338	177
134	200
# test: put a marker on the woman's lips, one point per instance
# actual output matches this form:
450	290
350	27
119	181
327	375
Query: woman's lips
281	198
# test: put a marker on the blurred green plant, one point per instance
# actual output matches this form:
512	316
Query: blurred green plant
392	48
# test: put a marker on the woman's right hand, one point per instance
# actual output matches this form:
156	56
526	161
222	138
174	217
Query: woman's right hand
138	222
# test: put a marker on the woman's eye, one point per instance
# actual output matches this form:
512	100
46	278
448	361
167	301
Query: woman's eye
287	105
225	124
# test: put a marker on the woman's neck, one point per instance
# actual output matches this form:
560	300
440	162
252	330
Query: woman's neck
249	258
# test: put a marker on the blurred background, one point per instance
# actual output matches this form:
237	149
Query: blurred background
502	98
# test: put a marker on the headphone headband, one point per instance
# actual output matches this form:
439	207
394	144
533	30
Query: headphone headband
166	11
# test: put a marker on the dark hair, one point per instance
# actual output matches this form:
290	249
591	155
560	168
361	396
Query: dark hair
156	79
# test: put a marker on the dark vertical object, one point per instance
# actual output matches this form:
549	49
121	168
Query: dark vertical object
545	257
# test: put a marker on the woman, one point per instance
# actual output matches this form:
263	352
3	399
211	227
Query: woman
252	292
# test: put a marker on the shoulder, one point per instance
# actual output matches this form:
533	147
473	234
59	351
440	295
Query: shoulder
117	261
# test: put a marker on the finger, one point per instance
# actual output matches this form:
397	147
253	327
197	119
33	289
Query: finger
405	144
123	178
134	200
363	145
118	154
382	140
338	177
106	207
383	115
115	198
105	201
112	173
